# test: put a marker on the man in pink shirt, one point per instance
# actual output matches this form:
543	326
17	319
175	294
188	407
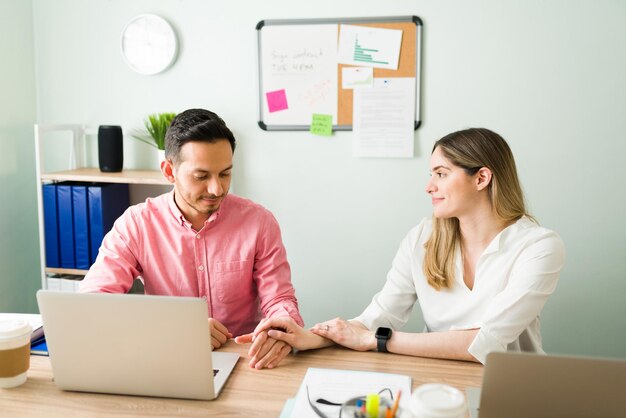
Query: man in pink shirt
200	241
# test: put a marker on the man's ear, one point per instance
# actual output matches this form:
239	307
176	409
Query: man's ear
167	168
483	178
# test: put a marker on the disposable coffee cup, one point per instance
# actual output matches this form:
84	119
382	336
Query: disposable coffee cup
436	400
14	352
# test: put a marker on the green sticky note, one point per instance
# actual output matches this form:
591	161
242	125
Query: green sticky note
322	124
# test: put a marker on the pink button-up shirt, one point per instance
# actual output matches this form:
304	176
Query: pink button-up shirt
236	262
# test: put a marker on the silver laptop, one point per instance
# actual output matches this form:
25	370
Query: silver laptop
132	345
517	385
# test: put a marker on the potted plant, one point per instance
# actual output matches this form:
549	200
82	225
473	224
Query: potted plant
156	126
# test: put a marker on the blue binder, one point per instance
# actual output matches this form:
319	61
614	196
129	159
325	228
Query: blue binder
107	202
40	348
81	226
51	225
66	225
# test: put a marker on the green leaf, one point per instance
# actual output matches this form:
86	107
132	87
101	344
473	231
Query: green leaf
156	126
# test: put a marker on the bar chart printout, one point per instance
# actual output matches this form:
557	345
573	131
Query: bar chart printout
369	46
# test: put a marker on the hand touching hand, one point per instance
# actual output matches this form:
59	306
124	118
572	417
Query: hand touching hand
270	346
287	330
266	351
353	335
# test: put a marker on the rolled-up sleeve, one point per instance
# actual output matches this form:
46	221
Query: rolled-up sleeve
272	274
533	279
116	266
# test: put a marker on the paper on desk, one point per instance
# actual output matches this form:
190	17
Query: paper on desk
33	319
341	385
369	46
287	408
384	118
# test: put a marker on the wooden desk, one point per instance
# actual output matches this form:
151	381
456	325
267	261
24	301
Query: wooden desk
248	392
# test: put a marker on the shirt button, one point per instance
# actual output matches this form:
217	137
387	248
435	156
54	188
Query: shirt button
201	268
198	236
203	297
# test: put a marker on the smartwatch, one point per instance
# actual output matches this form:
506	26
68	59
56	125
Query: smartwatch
382	335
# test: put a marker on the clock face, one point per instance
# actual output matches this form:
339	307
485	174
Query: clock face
149	44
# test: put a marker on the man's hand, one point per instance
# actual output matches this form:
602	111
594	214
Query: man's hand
283	329
219	333
267	352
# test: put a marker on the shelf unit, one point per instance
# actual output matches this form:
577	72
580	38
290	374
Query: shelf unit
78	172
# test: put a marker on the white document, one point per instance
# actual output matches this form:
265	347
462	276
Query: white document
368	46
342	385
33	319
383	119
302	61
354	77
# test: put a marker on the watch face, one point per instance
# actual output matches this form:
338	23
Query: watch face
383	332
149	44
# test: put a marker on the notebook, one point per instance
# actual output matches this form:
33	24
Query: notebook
132	345
517	385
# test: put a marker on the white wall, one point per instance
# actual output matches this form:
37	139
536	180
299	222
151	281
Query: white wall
548	76
19	247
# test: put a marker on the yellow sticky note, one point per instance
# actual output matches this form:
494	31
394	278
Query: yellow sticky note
322	124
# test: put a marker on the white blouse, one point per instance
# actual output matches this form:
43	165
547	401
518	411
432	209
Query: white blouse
514	276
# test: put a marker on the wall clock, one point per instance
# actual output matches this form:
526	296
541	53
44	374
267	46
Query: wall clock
149	44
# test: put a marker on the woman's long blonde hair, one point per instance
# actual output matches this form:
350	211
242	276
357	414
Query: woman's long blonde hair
472	149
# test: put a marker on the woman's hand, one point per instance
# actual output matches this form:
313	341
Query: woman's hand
353	335
287	330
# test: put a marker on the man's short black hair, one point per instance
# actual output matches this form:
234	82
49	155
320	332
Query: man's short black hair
195	125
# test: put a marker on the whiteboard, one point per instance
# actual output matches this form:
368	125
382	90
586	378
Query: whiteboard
302	60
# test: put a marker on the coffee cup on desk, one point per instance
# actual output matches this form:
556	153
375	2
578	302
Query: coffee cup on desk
14	352
434	400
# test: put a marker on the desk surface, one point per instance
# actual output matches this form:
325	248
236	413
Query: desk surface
248	392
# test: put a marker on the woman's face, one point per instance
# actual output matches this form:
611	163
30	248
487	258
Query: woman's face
454	193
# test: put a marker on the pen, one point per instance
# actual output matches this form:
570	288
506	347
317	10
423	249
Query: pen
358	412
395	405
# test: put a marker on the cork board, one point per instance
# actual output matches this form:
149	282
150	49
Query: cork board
318	83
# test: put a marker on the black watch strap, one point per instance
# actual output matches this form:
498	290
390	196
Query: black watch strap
382	345
382	335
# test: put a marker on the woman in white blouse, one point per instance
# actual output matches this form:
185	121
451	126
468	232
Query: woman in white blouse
481	269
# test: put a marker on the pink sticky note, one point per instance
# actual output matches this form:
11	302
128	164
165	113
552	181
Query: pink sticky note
276	100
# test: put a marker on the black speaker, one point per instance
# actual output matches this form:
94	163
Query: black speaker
110	148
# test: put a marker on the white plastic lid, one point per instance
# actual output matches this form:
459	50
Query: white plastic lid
11	328
438	400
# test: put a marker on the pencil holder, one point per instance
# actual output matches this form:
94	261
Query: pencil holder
352	408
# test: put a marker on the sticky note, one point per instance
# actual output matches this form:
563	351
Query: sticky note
276	100
322	124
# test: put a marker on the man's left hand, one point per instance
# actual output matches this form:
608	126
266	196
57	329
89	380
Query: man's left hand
265	351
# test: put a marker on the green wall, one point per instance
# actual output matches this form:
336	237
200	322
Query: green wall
19	243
